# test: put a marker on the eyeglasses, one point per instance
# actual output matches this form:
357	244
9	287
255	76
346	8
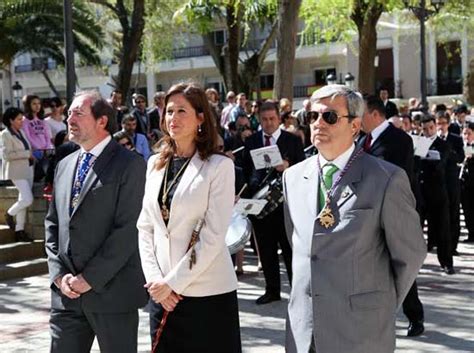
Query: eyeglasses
329	117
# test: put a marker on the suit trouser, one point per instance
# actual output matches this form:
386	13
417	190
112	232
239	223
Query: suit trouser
73	331
25	199
467	199
437	214
270	232
412	307
454	221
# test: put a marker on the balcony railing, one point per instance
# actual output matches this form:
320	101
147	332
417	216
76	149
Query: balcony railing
190	52
35	67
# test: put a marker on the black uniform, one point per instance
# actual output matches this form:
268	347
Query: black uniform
270	230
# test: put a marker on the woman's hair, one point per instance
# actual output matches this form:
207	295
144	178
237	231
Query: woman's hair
206	139
9	115
27	100
119	135
214	92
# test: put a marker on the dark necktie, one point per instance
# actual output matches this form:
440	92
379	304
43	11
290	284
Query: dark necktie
367	142
268	142
81	173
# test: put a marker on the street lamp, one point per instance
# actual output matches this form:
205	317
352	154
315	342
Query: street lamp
17	93
331	79
349	80
422	14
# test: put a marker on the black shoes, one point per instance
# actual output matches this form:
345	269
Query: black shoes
415	328
10	221
268	298
21	235
449	270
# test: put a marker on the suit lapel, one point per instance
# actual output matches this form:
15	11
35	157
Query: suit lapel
310	186
63	186
192	170
93	175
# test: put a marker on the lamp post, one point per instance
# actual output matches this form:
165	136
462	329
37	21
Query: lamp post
17	93
69	51
331	79
422	13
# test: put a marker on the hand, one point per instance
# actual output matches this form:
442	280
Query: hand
79	285
170	303
230	155
280	168
158	291
63	284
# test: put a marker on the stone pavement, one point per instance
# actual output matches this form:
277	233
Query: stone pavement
448	303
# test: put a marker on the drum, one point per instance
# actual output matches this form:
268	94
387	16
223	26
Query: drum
273	193
239	233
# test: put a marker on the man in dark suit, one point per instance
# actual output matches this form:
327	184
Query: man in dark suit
433	185
390	107
156	112
393	145
270	230
460	113
140	113
467	182
453	169
91	236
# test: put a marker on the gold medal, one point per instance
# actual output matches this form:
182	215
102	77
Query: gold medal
326	218
165	213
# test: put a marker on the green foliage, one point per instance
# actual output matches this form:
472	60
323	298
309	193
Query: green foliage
203	15
38	26
161	31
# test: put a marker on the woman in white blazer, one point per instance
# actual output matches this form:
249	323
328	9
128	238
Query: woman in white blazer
188	181
17	166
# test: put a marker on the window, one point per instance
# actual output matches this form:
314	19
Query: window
220	37
320	75
448	67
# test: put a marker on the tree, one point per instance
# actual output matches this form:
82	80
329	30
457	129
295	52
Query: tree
239	17
131	16
37	26
338	20
288	11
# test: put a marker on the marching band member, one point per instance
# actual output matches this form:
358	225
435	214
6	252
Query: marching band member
270	231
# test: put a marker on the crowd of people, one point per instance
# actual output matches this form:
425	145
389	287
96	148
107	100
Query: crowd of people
118	232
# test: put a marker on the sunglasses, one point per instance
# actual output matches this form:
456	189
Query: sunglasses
330	117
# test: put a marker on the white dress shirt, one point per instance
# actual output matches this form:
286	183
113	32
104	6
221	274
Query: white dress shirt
340	162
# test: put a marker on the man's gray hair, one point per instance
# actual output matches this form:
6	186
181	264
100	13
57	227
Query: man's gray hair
355	102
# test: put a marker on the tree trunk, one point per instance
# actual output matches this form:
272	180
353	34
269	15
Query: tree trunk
232	49
366	15
250	71
286	46
51	85
218	59
132	34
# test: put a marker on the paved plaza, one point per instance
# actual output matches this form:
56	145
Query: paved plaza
448	303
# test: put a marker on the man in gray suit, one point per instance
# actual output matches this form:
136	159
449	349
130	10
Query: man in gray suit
355	234
91	237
